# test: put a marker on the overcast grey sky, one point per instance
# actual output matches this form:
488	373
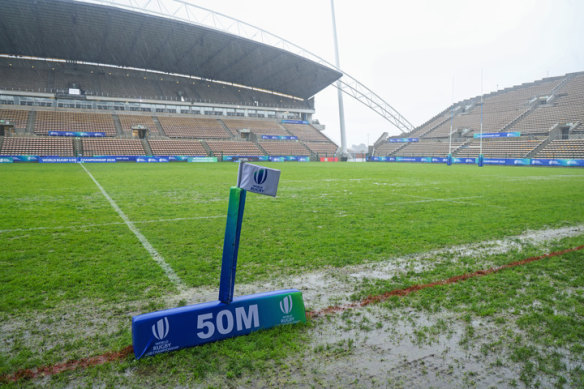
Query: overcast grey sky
420	54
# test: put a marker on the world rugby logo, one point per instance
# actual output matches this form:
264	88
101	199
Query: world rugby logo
160	329
286	304
260	176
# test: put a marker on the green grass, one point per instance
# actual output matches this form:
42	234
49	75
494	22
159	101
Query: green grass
337	214
63	247
537	307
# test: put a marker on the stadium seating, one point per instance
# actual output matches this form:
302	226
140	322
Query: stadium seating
40	146
573	148
533	109
234	148
427	149
129	121
102	146
499	148
388	149
52	77
23	75
177	147
305	132
568	107
498	110
322	148
542	110
259	127
284	148
74	121
18	118
429	125
196	128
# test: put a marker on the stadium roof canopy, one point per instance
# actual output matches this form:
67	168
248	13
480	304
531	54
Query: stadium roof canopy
76	31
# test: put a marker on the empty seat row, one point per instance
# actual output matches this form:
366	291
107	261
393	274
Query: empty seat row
284	148
305	132
177	147
51	77
99	147
499	148
74	121
196	128
129	121
428	149
326	148
573	148
40	146
260	127
18	118
234	148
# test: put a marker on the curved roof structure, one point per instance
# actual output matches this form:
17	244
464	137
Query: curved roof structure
75	31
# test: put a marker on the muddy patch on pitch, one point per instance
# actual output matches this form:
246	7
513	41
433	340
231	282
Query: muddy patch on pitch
378	347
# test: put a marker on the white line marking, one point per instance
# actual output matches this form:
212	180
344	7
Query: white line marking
434	198
431	200
155	255
77	226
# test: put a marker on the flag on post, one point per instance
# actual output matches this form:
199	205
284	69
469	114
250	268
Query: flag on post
258	179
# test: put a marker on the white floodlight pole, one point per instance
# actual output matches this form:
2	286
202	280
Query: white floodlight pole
451	126
481	142
339	87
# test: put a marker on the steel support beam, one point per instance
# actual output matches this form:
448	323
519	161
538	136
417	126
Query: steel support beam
185	11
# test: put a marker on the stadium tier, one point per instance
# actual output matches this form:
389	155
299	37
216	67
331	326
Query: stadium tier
498	110
499	148
76	100
188	132
258	127
567	106
177	147
305	132
387	148
531	119
100	147
74	121
548	115
283	148
573	148
234	148
40	146
18	118
57	77
428	148
322	148
196	128
146	121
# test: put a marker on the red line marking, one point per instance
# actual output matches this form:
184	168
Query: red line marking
69	365
414	288
126	351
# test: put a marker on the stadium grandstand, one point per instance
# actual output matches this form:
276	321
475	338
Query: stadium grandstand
545	119
156	86
146	85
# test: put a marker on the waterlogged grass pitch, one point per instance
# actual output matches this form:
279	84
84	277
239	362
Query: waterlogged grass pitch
65	252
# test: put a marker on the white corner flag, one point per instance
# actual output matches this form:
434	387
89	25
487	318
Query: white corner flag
258	179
